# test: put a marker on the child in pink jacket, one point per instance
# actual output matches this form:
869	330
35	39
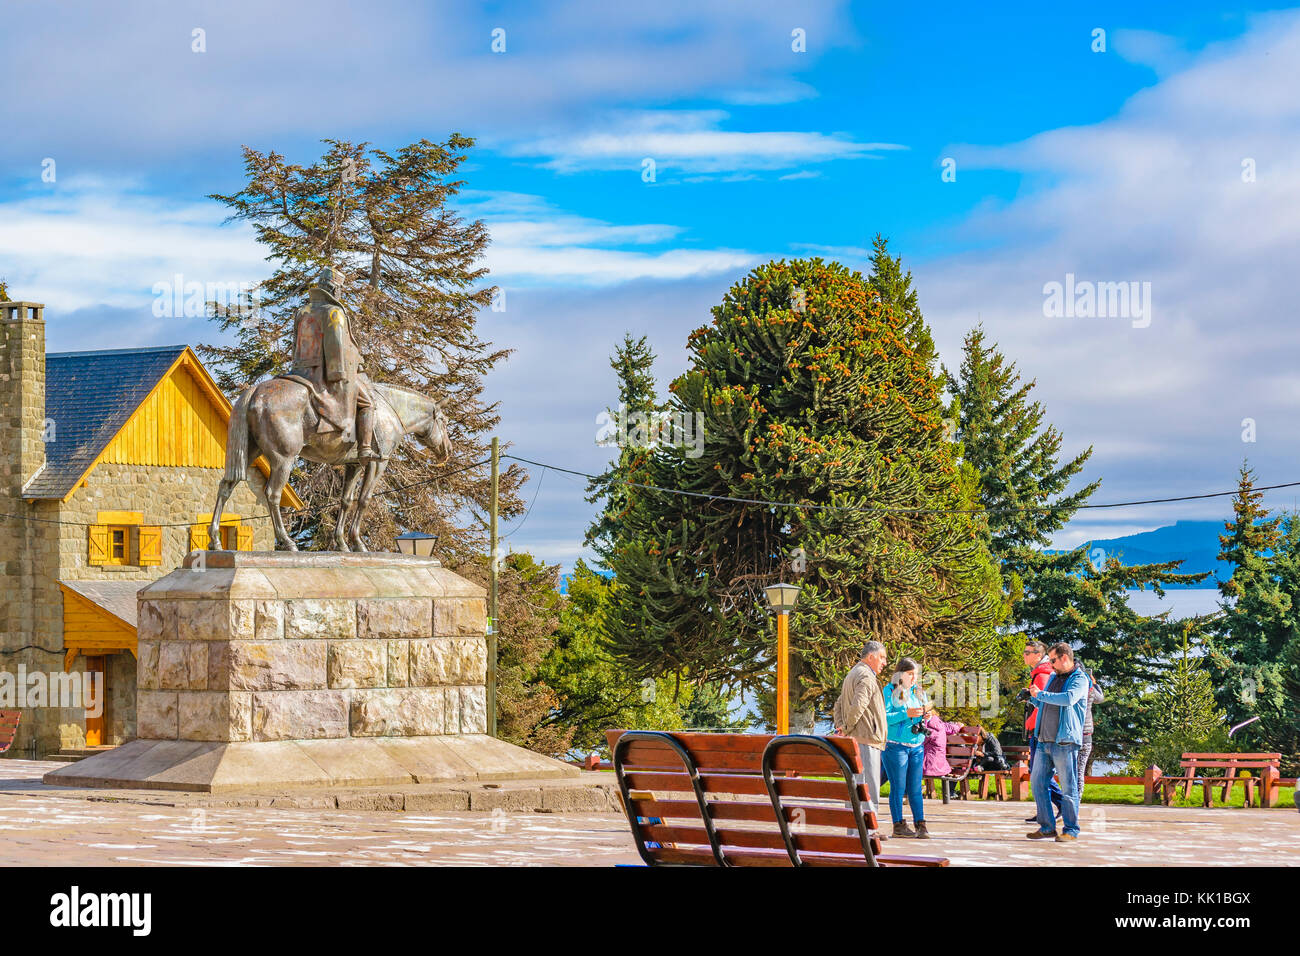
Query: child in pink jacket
935	761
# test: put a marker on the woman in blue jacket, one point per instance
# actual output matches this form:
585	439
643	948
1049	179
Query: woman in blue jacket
904	757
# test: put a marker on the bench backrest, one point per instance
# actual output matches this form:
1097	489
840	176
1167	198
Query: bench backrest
724	791
963	750
1016	753
1232	762
8	728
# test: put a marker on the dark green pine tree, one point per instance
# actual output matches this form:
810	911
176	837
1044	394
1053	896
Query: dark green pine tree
633	363
1055	596
1182	716
1187	704
1280	726
1259	612
809	390
894	286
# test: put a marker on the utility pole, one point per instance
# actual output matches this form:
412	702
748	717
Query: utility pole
494	565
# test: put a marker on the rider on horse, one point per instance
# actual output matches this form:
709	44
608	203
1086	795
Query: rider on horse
326	358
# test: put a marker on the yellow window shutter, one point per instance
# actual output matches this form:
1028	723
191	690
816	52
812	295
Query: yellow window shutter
199	538
245	540
150	544
98	544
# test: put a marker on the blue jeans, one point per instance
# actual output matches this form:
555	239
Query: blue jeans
1055	790
1064	759
903	766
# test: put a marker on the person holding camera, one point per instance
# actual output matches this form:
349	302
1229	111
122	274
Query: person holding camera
905	713
1040	672
1059	728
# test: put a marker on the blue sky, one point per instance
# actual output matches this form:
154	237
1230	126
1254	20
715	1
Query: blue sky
1117	166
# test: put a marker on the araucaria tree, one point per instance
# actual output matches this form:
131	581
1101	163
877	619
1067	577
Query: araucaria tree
413	287
812	391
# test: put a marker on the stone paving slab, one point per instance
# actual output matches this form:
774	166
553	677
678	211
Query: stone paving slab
46	825
583	792
223	767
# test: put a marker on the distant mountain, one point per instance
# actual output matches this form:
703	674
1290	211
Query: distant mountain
1195	543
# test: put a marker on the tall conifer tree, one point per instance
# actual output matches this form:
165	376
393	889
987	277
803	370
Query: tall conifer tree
633	364
812	390
413	286
1056	596
1259	608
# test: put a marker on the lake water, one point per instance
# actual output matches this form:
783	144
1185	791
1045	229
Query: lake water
1186	602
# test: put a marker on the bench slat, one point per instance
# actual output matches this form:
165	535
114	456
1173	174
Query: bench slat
730	784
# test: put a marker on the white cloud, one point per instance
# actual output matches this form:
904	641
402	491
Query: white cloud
691	141
1154	194
88	242
534	243
268	72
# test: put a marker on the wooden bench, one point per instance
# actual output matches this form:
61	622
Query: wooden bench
963	750
1265	769
8	728
702	799
1018	760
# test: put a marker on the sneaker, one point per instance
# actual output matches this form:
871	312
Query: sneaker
1066	837
921	832
1040	835
903	830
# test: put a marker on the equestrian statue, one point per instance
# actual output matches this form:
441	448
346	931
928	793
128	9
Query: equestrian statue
325	409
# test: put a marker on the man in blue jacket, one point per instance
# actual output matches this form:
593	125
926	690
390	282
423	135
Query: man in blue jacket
1059	729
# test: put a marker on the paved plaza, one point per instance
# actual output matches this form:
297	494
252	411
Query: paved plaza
42	825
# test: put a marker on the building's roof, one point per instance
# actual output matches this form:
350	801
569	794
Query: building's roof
89	396
115	597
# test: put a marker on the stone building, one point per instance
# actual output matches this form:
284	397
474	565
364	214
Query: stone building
109	464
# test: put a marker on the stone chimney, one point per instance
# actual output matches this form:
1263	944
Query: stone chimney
22	394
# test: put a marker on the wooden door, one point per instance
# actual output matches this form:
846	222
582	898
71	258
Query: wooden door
95	725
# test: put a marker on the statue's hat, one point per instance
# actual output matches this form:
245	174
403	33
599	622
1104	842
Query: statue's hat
329	281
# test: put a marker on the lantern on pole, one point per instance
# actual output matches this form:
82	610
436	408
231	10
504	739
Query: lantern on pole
417	543
781	599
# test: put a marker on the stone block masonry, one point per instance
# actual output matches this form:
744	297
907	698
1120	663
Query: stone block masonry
265	669
268	647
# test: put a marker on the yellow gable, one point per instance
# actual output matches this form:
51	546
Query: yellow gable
182	423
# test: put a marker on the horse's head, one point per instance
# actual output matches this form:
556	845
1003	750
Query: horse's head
435	436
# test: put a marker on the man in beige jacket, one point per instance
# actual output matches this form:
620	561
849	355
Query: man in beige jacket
860	713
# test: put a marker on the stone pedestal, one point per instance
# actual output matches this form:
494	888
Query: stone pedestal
274	669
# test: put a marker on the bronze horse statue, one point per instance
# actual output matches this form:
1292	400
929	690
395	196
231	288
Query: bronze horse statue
277	419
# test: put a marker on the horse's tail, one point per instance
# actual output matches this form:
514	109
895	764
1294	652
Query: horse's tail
237	438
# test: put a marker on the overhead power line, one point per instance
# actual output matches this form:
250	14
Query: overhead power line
812	506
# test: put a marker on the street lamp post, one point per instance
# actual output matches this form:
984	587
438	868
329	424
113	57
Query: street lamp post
781	598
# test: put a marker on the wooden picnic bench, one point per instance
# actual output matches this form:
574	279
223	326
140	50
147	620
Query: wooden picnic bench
963	749
1017	756
704	799
1265	771
8	728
